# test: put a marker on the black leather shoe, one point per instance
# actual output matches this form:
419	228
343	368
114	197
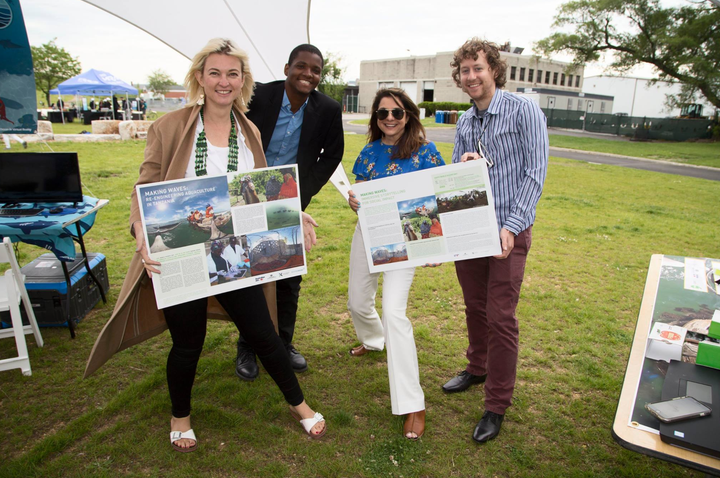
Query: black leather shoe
246	365
298	362
488	427
462	382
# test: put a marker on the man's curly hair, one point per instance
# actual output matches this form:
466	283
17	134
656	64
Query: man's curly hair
470	49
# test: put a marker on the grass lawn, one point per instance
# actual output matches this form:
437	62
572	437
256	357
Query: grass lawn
697	153
596	229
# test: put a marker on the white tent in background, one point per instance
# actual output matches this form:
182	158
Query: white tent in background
267	30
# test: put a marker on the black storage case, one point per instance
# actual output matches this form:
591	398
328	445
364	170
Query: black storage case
46	286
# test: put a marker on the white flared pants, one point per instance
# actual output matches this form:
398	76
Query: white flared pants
395	331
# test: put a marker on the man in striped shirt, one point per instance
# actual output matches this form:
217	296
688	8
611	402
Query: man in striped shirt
509	132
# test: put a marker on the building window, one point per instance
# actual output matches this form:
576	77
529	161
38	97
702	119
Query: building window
580	105
569	103
522	74
602	107
577	81
562	79
539	77
555	76
530	75
569	78
547	77
512	72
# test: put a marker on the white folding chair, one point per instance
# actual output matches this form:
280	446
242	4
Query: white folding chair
12	292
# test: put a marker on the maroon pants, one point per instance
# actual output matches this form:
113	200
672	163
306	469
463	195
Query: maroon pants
491	289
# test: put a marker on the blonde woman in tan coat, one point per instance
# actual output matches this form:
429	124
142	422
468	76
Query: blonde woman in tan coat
211	136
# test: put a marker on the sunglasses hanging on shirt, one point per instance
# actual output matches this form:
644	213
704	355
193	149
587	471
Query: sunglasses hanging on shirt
398	113
483	152
481	149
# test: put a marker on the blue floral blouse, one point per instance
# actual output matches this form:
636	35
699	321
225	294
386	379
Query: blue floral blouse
374	161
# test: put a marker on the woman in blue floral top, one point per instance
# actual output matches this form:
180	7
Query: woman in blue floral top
396	145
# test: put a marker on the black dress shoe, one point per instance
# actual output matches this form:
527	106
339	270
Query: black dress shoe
462	382
246	365
488	427
298	362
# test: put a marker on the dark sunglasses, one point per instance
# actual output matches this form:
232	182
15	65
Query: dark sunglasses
398	113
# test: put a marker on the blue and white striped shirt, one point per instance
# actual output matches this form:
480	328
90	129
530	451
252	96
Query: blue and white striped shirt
516	139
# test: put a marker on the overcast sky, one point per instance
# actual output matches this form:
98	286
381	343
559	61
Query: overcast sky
355	30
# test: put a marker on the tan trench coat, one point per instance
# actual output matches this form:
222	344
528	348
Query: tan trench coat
136	317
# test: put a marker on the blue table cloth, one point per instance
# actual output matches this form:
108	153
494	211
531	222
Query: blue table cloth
46	228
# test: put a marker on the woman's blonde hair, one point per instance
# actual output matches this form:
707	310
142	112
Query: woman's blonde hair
226	47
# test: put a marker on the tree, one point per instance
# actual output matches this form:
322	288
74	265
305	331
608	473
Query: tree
160	82
682	43
52	65
331	82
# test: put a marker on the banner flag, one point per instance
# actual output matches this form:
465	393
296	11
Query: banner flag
18	100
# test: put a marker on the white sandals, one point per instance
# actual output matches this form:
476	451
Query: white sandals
309	423
190	435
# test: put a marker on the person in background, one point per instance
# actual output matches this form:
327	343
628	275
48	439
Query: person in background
509	133
217	264
436	228
425	229
289	187
9	136
233	252
299	125
396	145
272	188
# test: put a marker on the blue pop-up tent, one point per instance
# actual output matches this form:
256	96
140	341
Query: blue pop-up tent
93	83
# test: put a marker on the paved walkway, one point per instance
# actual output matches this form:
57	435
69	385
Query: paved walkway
447	135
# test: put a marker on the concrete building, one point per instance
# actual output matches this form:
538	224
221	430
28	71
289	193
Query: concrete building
429	78
636	97
569	100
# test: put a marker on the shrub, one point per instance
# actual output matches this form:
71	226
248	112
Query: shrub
432	106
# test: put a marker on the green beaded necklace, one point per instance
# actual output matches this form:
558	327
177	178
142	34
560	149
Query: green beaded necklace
201	148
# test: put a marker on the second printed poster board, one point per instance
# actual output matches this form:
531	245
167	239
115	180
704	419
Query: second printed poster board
434	215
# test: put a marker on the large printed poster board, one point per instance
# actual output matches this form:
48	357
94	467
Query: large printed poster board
220	233
434	215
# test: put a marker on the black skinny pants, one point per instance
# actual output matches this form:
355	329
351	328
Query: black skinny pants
248	310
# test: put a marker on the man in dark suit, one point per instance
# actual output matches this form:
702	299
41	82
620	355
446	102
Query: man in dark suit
298	125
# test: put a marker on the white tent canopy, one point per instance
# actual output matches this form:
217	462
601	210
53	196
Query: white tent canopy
267	30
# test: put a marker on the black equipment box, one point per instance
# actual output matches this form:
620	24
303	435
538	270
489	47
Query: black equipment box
48	290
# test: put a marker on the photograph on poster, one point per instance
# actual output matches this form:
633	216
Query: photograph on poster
459	200
224	266
263	186
185	214
275	250
389	254
416	215
282	214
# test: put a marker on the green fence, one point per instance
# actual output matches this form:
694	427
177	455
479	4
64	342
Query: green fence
639	127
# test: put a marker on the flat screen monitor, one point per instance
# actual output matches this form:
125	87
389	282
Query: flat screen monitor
39	177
